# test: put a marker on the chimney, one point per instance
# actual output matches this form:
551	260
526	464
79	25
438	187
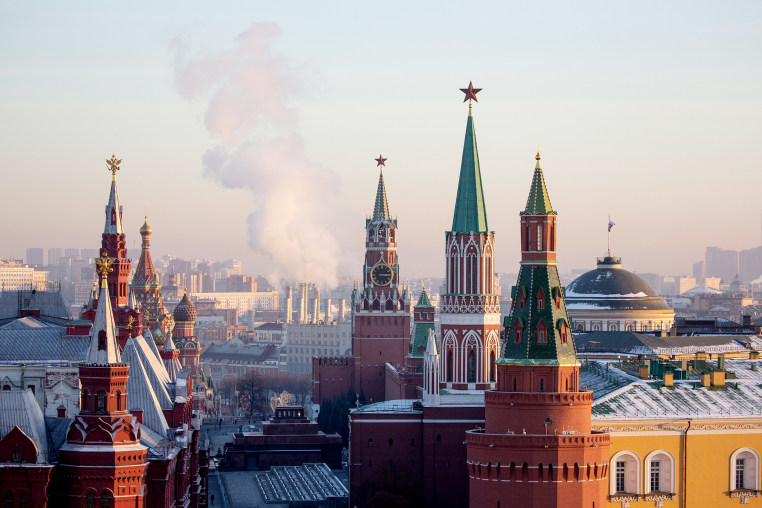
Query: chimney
342	313
328	313
316	306
62	411
290	305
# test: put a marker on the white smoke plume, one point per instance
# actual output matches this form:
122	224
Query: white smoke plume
295	223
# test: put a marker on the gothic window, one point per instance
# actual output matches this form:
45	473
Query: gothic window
492	366
449	365
471	366
472	281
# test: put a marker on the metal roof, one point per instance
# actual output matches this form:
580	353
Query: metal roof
20	409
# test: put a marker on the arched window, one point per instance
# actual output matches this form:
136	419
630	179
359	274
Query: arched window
118	396
101	340
613	327
626	477
564	333
644	327
580	327
449	365
596	327
101	402
492	366
542	333
471	369
629	327
744	470
90	501
660	472
105	500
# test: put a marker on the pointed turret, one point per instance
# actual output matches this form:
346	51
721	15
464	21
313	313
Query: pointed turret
103	346
381	208
113	224
470	212
423	323
538	200
538	327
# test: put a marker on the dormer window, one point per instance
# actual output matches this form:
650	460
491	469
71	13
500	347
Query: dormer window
542	333
540	300
101	340
522	299
16	456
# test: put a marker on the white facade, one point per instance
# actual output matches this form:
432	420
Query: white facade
22	277
304	341
241	301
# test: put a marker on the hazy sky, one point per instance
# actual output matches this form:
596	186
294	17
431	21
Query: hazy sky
261	120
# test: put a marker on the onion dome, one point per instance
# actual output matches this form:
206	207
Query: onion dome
185	312
146	229
609	287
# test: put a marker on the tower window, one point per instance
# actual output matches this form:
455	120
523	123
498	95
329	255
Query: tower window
471	366
740	474
539	237
541	337
102	340
517	336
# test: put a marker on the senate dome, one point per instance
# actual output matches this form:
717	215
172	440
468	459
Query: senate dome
610	298
185	312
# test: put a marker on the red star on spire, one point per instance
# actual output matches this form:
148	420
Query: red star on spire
470	92
381	160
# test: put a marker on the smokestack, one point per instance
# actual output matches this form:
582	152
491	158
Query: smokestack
303	303
328	313
342	313
290	305
316	307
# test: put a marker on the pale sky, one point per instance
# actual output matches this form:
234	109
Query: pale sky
649	111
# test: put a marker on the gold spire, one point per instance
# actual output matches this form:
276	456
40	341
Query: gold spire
113	166
537	158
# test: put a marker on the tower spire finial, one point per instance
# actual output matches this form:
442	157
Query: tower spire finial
113	166
381	207
470	94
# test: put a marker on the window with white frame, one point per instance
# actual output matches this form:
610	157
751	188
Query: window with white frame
744	470
660	472
626	477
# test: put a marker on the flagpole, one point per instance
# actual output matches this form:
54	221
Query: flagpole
608	228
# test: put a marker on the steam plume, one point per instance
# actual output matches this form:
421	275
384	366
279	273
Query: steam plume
247	90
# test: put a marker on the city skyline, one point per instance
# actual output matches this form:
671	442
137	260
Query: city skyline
659	130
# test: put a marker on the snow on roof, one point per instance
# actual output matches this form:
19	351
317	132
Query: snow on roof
20	409
389	406
140	391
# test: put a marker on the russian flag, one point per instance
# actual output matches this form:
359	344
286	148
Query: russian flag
611	224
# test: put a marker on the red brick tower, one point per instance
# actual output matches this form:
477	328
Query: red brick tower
102	462
381	310
469	309
145	285
186	342
114	246
537	448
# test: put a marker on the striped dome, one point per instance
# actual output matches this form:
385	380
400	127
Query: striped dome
185	311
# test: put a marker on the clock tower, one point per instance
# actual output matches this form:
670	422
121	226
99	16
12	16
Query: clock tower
380	307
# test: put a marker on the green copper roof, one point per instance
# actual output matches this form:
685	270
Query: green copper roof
538	200
532	280
418	340
381	209
423	300
470	212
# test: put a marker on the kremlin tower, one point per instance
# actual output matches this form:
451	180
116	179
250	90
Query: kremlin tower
103	460
470	310
537	448
380	311
129	322
185	318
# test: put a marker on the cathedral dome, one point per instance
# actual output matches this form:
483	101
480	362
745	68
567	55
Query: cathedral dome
185	311
611	298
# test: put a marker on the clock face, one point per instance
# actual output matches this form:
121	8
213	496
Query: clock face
382	274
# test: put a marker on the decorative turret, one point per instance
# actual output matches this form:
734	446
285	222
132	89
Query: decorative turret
113	242
537	404
470	310
431	380
185	318
146	288
423	322
102	457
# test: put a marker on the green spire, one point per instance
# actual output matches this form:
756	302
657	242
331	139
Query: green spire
423	300
538	200
381	209
470	212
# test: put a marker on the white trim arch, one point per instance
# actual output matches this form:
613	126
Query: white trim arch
473	341
632	472
666	471
750	471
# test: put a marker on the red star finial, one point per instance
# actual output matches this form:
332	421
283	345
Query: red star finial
381	160
470	92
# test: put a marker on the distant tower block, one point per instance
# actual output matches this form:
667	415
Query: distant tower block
342	310
290	305
328	311
303	302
